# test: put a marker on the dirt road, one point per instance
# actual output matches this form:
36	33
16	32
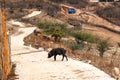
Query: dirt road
34	65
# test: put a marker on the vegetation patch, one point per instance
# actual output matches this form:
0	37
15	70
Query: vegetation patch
102	46
12	75
56	30
85	36
111	13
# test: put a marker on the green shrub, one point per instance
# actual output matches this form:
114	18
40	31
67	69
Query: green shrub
73	45
76	46
56	30
85	36
102	46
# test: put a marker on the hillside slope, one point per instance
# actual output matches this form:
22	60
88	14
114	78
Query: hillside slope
93	23
34	65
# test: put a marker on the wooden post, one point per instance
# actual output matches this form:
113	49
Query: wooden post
5	64
1	49
5	45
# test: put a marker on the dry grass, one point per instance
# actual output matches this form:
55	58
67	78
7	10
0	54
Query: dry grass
106	63
12	75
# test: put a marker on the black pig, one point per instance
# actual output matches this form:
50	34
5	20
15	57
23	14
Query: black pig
57	51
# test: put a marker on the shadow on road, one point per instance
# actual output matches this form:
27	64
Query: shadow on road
25	53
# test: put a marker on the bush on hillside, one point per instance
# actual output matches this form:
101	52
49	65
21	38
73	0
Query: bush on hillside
102	46
85	36
75	46
110	13
56	30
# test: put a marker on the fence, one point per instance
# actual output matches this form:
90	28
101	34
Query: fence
5	61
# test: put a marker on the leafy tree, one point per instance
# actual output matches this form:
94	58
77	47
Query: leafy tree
56	30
